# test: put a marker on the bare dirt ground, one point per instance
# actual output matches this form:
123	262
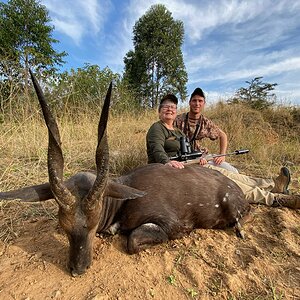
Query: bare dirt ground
208	264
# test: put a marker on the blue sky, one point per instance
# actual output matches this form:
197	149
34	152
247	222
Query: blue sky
226	43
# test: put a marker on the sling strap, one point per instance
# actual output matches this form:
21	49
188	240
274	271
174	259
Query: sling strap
198	128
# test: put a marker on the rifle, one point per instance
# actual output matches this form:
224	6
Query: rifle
186	155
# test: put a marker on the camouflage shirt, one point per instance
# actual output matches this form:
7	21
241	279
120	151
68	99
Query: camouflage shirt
204	128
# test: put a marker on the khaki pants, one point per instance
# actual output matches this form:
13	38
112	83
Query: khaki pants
224	165
256	190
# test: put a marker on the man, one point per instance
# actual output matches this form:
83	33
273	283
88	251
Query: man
197	127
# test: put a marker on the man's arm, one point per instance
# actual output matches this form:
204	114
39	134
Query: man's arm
223	147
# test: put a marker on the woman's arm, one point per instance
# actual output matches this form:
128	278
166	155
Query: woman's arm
155	144
156	138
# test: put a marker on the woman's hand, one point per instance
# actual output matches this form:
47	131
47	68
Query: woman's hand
175	164
202	161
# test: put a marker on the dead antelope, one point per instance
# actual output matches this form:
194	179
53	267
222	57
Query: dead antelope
151	204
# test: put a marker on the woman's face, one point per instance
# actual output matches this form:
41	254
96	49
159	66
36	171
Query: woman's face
168	111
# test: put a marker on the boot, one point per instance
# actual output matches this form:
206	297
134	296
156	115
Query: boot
291	201
282	181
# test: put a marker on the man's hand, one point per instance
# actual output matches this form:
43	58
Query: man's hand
219	160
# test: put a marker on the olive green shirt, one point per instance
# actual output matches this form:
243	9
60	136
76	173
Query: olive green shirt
162	143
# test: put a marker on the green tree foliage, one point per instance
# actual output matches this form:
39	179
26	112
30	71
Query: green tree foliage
155	66
86	88
257	95
26	40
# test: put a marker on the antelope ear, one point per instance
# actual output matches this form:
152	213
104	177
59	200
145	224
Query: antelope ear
34	193
120	191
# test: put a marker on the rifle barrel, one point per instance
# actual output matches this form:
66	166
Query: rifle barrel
236	152
192	157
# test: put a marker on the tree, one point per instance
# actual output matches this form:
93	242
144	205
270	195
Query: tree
257	95
26	40
155	66
86	88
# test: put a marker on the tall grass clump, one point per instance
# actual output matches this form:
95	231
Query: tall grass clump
271	136
24	140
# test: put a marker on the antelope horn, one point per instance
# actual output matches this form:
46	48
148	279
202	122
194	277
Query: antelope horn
102	157
55	158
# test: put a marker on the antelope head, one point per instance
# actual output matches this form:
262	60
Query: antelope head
78	214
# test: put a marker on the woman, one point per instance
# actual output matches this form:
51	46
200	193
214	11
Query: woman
162	138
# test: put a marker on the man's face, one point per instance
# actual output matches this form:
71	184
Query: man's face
197	104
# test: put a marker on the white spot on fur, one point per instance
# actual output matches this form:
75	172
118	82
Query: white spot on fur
113	229
201	204
217	205
151	225
225	198
189	203
229	186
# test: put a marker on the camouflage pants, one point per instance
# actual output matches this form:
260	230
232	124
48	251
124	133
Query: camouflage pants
256	190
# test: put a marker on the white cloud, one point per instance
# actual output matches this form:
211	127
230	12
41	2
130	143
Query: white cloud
94	13
77	18
287	65
69	28
199	61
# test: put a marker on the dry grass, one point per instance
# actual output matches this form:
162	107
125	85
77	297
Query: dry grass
229	271
24	138
23	142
